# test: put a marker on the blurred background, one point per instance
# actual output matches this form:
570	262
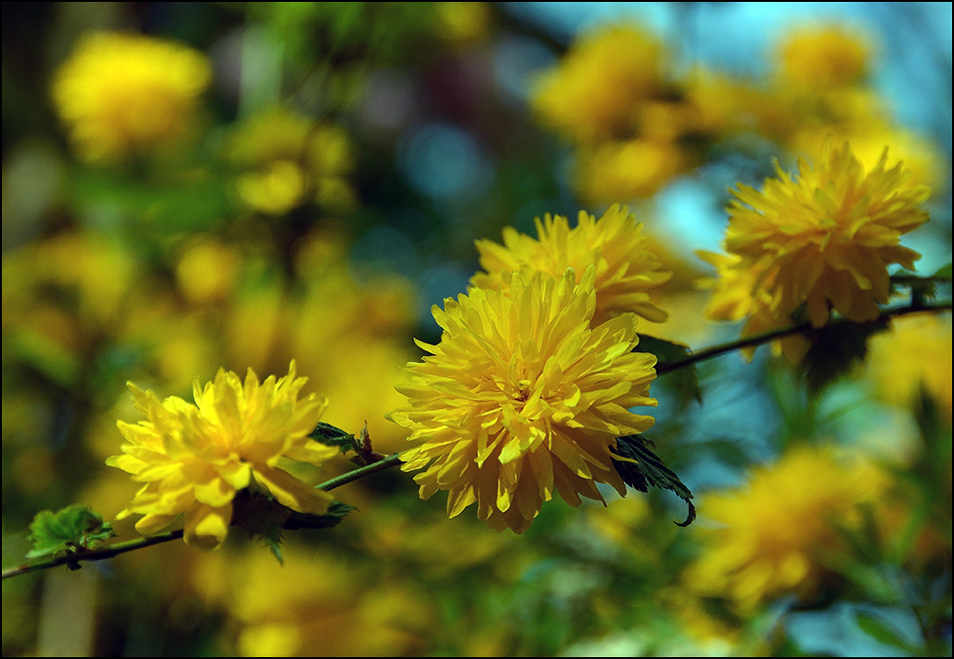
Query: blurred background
188	186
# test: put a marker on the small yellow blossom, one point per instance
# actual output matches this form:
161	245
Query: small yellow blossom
779	531
626	270
193	459
291	160
821	58
824	240
628	169
121	94
915	353
593	93
521	396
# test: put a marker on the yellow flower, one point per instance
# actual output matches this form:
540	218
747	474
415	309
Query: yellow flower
625	269
821	58
915	353
521	396
120	94
824	240
291	160
629	169
194	458
593	93
778	532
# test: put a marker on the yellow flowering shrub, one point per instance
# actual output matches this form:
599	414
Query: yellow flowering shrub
194	458
522	397
122	94
626	269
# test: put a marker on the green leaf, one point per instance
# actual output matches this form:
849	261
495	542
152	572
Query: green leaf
330	435
263	517
943	273
68	529
639	468
835	349
881	631
684	382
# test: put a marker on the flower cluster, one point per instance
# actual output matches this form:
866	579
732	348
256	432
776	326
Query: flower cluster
122	94
523	397
626	270
820	241
193	459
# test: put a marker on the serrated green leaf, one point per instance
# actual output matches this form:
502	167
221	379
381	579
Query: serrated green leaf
684	382
329	435
337	511
68	529
639	468
835	349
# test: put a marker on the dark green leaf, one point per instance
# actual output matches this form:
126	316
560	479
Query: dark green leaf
330	435
68	529
835	349
943	273
336	512
683	381
639	468
881	631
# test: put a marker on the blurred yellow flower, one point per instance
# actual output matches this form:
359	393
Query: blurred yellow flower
626	270
521	396
292	160
629	169
194	458
778	532
593	93
915	353
121	94
824	239
823	57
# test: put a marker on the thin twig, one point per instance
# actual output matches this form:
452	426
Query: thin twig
76	557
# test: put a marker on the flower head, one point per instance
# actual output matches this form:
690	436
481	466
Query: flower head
779	531
592	94
522	397
625	268
822	58
823	239
193	459
122	93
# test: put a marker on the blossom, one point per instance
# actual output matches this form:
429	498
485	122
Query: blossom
193	459
626	270
592	94
522	396
823	239
290	160
779	531
120	94
821	58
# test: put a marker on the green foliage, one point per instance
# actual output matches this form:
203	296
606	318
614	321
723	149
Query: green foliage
922	288
263	517
684	381
836	348
639	468
67	530
330	435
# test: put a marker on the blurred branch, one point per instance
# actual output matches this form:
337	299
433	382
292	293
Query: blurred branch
73	559
765	337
